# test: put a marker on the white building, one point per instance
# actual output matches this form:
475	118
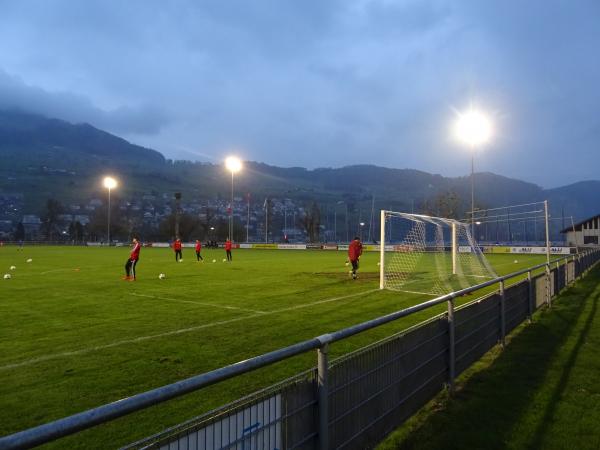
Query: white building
587	232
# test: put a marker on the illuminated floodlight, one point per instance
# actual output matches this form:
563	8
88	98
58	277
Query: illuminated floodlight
473	128
110	183
233	164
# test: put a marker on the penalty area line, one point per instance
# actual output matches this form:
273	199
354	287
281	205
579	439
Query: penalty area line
175	332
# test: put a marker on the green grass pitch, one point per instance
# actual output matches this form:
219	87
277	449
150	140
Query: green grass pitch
73	335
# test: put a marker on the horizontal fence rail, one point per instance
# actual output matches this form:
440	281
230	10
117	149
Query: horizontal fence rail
351	402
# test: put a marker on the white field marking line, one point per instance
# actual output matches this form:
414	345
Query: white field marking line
199	303
82	351
55	270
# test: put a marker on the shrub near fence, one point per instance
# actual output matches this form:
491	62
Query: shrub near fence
353	401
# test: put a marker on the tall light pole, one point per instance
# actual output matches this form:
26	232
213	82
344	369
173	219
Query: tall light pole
109	183
474	129
234	165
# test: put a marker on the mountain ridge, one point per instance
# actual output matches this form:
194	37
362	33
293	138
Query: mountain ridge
66	161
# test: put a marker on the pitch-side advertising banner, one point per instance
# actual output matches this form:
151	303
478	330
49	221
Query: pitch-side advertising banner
500	249
291	246
265	246
541	250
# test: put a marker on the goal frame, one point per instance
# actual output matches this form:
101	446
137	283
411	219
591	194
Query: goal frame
382	243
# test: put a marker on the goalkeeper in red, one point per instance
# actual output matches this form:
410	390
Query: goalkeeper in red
131	263
354	252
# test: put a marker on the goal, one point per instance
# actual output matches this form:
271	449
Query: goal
429	255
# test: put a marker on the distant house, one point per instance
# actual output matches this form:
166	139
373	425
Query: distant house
83	219
587	232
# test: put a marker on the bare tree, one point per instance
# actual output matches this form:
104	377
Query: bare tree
312	222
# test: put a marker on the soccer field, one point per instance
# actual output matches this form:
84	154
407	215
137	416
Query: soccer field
73	335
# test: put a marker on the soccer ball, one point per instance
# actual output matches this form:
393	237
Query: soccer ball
29	260
7	276
516	261
214	260
181	260
13	267
162	276
224	260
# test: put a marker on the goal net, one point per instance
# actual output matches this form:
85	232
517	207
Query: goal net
429	255
528	225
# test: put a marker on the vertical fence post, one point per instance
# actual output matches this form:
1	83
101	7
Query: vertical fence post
548	287
323	395
451	352
502	314
530	307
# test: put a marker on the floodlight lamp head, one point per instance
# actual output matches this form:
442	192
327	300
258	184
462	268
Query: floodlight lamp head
233	164
473	128
110	183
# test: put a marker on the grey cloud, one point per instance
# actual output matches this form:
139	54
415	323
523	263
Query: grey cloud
15	94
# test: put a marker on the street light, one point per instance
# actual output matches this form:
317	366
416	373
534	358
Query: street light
109	183
362	224
474	129
234	165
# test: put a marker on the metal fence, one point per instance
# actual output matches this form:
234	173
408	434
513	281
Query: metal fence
351	402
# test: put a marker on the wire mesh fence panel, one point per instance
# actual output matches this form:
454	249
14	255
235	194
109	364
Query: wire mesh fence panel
299	429
516	300
279	417
570	271
561	277
374	390
540	283
477	330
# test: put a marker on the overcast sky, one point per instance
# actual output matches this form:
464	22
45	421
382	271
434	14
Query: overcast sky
318	83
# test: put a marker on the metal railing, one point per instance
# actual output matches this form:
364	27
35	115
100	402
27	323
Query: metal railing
394	377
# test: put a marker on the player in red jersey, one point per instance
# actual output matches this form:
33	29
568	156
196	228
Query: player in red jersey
177	247
228	250
131	263
354	252
198	250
